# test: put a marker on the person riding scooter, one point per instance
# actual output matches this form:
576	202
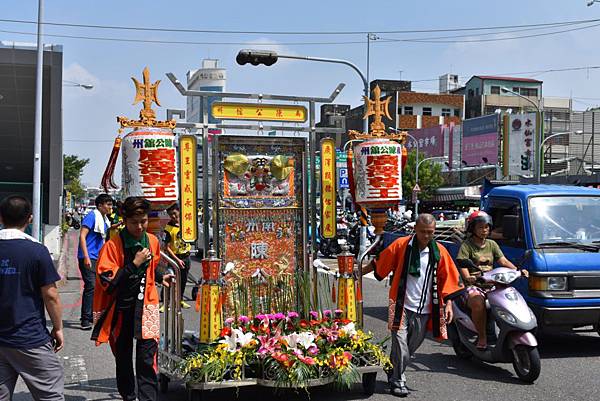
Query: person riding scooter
484	253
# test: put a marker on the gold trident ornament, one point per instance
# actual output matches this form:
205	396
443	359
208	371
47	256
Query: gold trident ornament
147	93
377	108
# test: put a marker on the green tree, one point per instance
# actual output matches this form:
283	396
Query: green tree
72	170
430	177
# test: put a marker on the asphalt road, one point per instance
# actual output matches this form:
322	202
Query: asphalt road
570	365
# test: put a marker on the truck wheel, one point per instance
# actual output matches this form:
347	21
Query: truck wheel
369	382
163	383
527	364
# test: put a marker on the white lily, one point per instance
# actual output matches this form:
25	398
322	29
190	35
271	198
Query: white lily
305	339
242	338
349	329
291	340
230	341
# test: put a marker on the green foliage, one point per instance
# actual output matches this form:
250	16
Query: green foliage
73	167
430	177
72	170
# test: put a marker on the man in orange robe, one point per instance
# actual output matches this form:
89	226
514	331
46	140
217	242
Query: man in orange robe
126	302
425	280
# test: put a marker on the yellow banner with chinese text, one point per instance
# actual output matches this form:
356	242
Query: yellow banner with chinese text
258	111
188	187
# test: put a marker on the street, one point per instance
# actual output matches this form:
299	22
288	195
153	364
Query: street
569	362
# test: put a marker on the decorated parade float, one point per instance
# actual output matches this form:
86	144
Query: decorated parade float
267	316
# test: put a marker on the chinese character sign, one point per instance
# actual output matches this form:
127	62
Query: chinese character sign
521	143
430	141
188	187
149	166
328	189
378	174
260	239
480	140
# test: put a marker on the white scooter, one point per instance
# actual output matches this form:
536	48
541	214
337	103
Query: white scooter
510	327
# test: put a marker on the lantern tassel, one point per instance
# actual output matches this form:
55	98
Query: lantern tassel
107	178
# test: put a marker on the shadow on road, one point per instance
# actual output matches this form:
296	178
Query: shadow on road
106	389
569	345
378	312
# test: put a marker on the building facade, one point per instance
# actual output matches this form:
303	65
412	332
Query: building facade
17	130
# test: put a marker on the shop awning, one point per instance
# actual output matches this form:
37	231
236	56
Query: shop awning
471	193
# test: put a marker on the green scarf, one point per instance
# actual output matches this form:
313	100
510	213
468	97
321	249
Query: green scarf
414	261
130	242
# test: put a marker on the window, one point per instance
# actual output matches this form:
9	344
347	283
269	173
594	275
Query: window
408	110
456	113
426	111
516	89
471	94
446	112
529	92
498	208
476	91
495	90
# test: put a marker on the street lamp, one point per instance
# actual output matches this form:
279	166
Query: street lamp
77	84
591	2
538	130
417	179
541	152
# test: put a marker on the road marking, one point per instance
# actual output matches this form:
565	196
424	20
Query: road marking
75	370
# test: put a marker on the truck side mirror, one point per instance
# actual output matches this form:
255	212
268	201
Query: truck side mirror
510	226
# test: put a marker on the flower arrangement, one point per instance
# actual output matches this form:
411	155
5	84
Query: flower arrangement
288	350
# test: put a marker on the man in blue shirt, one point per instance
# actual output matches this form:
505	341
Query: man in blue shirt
94	230
27	285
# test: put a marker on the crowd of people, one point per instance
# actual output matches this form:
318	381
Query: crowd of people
118	262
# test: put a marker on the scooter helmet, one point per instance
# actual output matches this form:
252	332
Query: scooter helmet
476	217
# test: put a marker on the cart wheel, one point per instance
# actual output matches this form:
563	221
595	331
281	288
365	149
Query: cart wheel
194	395
369	382
163	383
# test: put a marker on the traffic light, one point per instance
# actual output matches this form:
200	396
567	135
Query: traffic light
256	57
524	162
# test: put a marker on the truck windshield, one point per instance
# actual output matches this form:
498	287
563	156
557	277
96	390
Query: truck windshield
563	220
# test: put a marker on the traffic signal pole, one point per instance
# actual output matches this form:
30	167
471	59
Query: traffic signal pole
268	58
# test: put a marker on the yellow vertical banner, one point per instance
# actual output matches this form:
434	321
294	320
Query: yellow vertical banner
188	167
328	189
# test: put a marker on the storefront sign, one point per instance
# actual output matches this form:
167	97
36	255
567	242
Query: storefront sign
521	144
188	187
328	189
480	140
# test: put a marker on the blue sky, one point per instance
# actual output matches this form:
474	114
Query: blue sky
90	115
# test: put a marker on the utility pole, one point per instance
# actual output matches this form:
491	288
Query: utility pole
37	138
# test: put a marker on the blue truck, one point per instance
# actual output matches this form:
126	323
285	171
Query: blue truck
553	231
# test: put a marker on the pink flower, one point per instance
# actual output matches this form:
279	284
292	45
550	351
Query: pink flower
338	313
243	319
279	316
267	345
229	320
307	360
327	313
314	315
261	317
293	315
313	350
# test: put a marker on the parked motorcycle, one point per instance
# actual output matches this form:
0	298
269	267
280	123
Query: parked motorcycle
510	327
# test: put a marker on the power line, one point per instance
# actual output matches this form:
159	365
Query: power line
427	40
214	31
381	40
589	67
